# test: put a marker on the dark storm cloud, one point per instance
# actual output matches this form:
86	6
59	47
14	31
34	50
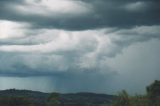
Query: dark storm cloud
70	80
104	13
115	13
75	60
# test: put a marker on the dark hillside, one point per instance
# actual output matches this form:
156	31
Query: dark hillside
70	99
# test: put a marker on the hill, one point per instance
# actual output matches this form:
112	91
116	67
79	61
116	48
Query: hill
70	99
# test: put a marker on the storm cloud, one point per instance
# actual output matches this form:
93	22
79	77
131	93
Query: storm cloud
82	14
78	45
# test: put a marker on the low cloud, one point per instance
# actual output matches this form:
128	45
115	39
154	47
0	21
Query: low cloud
65	50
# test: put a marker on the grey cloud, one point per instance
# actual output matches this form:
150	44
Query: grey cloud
122	38
137	65
85	80
80	59
104	13
67	80
84	53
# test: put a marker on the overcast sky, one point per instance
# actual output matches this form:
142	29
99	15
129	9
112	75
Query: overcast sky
100	46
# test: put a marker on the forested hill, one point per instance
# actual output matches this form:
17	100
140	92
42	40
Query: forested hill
33	95
65	99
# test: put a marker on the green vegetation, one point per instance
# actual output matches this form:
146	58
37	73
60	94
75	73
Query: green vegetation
152	98
17	101
32	98
123	99
53	99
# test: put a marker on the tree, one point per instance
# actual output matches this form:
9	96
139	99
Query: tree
139	100
153	93
123	99
53	99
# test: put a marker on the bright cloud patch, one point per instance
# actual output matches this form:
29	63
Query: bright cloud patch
53	7
9	29
137	6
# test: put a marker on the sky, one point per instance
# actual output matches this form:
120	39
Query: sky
101	46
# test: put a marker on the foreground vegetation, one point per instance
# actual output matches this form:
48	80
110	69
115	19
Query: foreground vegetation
152	98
